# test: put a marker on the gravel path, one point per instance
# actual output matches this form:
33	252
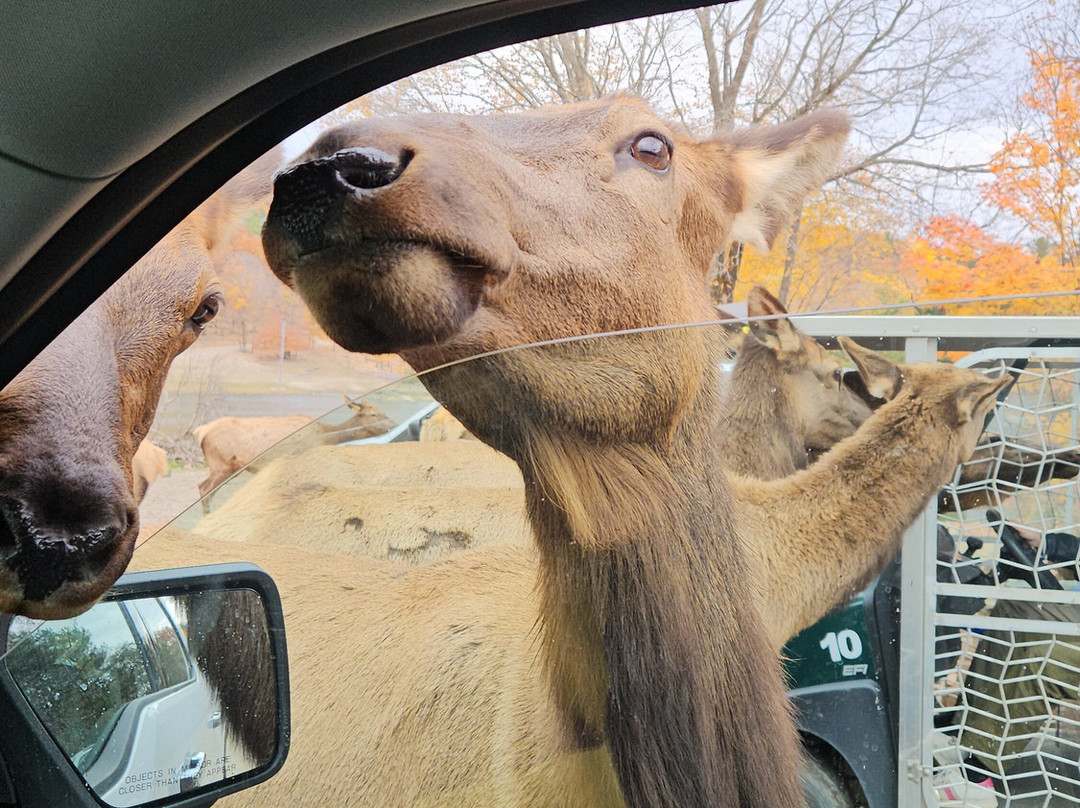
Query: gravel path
168	496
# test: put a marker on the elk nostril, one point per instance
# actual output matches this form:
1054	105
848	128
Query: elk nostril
309	197
45	557
369	168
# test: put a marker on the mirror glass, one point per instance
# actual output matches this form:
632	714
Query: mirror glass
153	696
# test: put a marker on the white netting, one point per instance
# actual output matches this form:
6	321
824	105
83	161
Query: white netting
1007	645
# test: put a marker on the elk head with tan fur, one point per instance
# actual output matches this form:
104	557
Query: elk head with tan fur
786	399
72	420
440	237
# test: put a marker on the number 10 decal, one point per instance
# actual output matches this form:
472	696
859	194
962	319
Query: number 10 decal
843	645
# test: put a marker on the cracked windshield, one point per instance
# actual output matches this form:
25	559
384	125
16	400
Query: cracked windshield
795	421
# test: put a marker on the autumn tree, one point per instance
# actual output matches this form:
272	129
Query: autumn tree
634	56
951	258
258	308
847	257
894	65
1036	173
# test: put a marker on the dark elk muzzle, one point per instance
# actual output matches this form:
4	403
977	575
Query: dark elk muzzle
46	557
360	234
60	539
309	197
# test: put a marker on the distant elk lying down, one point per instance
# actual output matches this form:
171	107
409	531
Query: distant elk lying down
230	444
440	237
452	686
71	421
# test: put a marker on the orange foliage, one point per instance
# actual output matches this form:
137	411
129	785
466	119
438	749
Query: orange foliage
256	302
1036	175
953	258
838	263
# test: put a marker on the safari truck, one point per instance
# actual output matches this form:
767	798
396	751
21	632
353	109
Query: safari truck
895	688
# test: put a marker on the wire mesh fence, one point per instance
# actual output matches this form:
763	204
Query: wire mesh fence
1006	681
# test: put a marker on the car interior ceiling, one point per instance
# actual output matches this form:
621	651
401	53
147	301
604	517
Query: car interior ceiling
139	205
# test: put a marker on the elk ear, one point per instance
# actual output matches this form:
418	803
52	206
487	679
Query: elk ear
776	333
880	375
973	398
777	166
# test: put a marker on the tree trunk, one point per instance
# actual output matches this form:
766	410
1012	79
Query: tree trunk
726	274
791	251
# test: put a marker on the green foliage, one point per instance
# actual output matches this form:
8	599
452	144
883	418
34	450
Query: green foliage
77	688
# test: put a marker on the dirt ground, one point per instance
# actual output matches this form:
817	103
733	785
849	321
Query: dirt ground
169	495
216	364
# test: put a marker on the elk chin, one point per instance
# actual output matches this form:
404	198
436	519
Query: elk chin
388	296
70	599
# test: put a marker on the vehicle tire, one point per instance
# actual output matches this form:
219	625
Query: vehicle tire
822	786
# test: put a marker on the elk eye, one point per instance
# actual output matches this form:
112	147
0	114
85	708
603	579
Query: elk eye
838	377
652	151
206	311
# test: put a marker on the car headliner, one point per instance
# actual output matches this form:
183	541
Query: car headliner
117	119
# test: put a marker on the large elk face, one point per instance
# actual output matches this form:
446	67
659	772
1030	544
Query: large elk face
70	424
440	237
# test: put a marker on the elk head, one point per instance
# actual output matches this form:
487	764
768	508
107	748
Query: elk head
70	424
440	237
72	420
826	411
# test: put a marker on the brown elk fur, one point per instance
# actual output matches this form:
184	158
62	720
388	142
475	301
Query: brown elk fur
472	234
894	465
230	444
229	636
149	463
438	237
71	421
403	501
437	697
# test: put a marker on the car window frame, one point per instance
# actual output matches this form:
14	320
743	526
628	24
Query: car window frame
112	230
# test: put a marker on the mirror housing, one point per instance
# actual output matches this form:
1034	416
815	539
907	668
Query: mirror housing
28	747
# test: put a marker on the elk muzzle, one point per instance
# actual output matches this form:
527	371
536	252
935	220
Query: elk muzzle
64	542
309	197
342	231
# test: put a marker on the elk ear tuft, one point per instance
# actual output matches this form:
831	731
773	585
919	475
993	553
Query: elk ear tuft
776	333
880	375
778	166
973	398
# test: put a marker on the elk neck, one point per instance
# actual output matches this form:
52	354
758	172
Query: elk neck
895	462
756	405
650	638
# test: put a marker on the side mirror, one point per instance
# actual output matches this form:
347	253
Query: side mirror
172	690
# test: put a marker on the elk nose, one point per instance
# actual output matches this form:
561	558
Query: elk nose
308	197
45	555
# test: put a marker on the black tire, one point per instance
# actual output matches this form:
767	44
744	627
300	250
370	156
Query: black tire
822	786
